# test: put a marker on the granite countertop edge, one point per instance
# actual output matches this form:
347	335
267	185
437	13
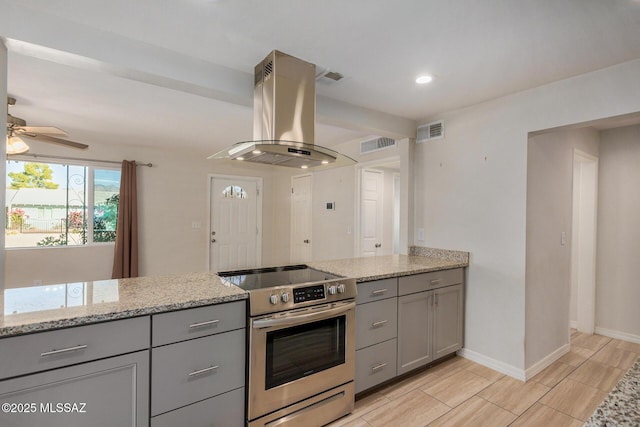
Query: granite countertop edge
380	268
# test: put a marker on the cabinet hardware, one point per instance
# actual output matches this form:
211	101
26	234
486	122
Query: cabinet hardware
378	367
213	240
378	291
201	324
379	323
436	281
64	350
203	371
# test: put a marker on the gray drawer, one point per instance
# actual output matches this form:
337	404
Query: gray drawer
375	365
376	322
225	410
47	350
175	380
377	290
425	281
197	322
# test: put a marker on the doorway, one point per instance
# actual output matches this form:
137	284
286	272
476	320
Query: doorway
301	213
378	208
583	242
235	232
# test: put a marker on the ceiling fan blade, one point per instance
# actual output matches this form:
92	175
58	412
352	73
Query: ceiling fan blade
60	141
43	130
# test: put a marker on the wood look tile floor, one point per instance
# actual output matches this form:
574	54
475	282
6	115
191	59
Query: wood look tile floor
461	393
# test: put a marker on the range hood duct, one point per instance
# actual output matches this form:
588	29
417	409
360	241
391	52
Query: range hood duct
284	112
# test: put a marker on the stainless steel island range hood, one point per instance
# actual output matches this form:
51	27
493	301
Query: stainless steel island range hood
284	102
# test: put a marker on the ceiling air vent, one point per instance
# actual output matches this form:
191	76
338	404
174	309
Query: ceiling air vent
430	131
376	144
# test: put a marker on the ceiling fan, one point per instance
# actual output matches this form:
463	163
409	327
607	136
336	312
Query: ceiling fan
17	127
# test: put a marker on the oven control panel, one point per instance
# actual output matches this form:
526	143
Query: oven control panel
308	293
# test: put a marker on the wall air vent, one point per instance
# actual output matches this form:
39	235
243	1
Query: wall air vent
430	131
376	144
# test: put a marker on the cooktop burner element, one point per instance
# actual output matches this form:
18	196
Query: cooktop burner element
277	289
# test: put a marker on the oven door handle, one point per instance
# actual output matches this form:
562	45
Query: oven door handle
299	318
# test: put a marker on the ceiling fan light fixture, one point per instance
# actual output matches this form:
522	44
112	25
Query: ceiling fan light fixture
16	145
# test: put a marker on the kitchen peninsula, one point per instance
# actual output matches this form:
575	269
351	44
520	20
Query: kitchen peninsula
135	331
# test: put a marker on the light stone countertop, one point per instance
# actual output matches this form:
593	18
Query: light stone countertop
44	308
382	267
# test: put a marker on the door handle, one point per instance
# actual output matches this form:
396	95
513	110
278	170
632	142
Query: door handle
306	241
378	245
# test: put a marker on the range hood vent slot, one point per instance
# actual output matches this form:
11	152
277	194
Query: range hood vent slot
434	130
376	145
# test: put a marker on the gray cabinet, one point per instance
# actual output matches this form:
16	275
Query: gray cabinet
104	393
376	332
198	366
415	323
430	317
448	320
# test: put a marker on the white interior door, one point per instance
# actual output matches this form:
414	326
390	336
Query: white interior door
301	243
235	233
371	198
583	241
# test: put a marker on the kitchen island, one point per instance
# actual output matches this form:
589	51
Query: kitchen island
174	346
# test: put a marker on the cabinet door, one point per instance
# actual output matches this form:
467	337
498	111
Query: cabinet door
415	323
447	320
106	393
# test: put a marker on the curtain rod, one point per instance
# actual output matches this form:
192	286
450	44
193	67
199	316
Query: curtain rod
46	156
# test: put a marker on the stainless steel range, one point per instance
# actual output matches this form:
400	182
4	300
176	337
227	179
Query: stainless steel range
301	345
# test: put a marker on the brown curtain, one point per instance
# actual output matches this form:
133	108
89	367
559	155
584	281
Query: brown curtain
125	260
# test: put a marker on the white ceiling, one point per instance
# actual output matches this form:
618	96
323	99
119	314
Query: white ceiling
476	50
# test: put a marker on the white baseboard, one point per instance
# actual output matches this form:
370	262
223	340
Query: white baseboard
618	335
496	365
546	361
573	324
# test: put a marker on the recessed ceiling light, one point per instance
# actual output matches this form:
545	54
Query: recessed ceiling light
239	158
325	162
257	152
304	166
424	79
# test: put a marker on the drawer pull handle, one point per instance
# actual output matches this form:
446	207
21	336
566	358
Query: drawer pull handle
378	367
203	371
201	324
436	281
63	350
379	291
379	323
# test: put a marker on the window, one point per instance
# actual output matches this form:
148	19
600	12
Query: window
234	192
48	204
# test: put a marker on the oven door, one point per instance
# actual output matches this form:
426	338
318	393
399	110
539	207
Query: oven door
299	353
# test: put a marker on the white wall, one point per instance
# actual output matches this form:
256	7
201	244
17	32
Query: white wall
171	195
470	194
333	231
549	213
3	167
617	267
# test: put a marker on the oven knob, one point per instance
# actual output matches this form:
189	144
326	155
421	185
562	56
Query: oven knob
284	297
332	290
341	288
273	299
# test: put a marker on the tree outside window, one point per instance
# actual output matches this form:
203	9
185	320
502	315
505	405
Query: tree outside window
51	204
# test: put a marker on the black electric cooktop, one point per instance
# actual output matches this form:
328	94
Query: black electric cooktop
261	278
